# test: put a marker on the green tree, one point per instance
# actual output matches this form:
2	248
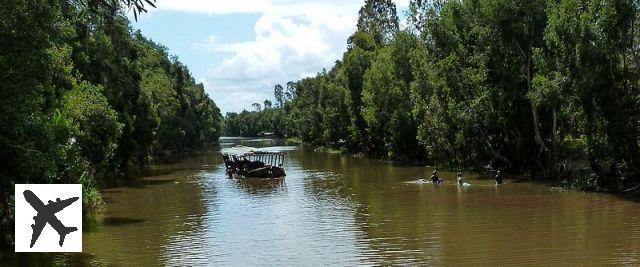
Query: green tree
83	96
267	104
596	55
380	19
278	93
357	59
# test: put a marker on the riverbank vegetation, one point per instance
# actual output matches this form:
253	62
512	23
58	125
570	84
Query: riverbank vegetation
83	96
545	87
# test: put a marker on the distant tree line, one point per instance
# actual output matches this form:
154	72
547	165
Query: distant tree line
527	86
266	117
82	96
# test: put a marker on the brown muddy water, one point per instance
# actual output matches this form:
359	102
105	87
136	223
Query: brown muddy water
342	210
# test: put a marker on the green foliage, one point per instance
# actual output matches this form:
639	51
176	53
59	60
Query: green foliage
596	54
502	82
82	96
585	183
94	126
386	100
357	60
379	18
254	123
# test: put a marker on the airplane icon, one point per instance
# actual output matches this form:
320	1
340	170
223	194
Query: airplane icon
46	214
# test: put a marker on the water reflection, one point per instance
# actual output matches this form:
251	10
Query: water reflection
262	187
517	223
335	209
119	221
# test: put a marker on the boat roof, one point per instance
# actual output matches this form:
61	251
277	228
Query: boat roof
244	150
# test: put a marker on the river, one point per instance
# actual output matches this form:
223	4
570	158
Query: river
334	209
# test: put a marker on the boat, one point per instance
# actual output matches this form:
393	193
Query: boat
248	162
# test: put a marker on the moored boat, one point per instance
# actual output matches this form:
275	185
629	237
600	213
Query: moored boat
250	163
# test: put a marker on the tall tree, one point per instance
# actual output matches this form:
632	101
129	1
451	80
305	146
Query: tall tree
267	104
278	93
257	106
379	18
357	60
83	96
596	55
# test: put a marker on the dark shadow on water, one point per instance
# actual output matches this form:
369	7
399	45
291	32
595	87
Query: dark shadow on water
108	200
143	183
152	172
9	258
400	163
120	221
108	184
484	177
550	183
95	223
633	197
534	181
545	182
134	182
110	191
142	178
261	186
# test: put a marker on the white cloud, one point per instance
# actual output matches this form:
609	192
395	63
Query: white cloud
293	39
283	48
281	7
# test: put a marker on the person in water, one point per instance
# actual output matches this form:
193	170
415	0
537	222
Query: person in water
498	178
461	180
434	177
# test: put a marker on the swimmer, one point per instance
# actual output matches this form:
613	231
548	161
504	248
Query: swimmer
498	178
461	180
434	177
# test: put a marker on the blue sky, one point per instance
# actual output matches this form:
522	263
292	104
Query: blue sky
240	49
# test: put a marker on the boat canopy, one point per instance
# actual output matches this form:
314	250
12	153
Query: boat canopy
239	150
251	162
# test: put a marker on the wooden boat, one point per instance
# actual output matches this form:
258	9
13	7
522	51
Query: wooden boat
254	163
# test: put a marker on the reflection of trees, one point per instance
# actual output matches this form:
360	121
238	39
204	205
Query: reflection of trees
392	222
150	217
403	223
393	226
261	186
144	214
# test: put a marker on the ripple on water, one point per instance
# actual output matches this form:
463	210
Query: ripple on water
342	210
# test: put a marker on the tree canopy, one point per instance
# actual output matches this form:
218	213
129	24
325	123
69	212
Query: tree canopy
549	88
83	96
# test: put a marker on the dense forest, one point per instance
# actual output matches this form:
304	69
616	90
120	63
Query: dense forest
83	96
540	87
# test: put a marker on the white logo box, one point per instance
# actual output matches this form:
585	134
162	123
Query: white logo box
69	216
